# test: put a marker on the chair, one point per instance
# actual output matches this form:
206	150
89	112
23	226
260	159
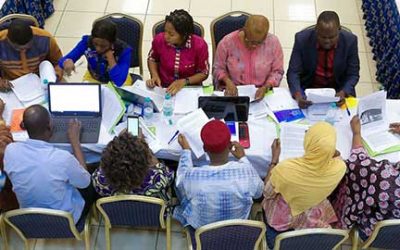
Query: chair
134	211
159	27
226	24
311	239
228	235
42	223
385	236
129	30
5	21
341	27
3	232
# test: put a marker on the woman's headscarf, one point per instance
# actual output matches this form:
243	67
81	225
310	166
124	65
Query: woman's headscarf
306	181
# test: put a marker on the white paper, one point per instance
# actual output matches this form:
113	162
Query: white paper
318	111
218	93
28	88
151	139
258	109
156	94
190	126
186	100
292	140
247	90
47	72
280	100
111	108
321	95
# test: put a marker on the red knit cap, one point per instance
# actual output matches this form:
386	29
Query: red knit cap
215	136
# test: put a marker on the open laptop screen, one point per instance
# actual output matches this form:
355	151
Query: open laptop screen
74	99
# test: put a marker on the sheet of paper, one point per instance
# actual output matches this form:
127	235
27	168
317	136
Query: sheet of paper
47	72
321	95
218	93
292	140
372	113
247	90
258	109
112	107
190	126
151	139
280	100
156	94
318	111
28	88
381	140
186	100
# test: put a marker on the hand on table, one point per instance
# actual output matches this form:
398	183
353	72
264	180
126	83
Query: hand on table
303	103
230	89
5	85
154	81
261	92
183	142
176	86
395	128
355	125
276	150
342	95
74	131
68	66
237	150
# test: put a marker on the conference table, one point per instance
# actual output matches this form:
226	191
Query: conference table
262	132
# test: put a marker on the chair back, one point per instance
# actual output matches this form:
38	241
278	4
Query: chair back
223	25
231	235
311	239
129	30
159	27
6	21
37	223
385	235
132	210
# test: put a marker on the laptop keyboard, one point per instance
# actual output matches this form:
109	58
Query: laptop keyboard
88	125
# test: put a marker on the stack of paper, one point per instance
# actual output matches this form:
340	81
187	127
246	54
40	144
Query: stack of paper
321	99
247	90
28	89
282	104
190	126
113	108
375	126
292	140
156	94
186	100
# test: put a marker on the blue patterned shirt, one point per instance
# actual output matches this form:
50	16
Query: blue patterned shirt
213	193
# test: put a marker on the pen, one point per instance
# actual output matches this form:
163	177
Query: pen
347	108
173	137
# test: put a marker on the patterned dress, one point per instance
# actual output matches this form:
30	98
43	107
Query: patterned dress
369	192
156	183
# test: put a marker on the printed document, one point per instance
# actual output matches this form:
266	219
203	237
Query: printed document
292	140
156	94
113	107
247	90
28	89
186	100
322	95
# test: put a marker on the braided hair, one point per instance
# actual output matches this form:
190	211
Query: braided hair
182	22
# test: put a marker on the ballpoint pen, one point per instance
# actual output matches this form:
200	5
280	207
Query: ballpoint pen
347	109
173	137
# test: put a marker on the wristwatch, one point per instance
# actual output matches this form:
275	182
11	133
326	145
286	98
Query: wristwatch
187	82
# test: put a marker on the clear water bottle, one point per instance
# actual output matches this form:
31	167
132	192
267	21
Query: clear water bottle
331	114
147	109
168	108
45	86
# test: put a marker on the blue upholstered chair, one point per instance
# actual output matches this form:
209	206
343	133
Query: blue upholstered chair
228	235
42	223
134	211
159	27
226	24
386	235
311	239
129	30
5	21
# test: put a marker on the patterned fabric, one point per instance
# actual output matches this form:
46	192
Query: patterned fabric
258	66
179	63
277	213
159	178
370	192
213	193
40	9
382	22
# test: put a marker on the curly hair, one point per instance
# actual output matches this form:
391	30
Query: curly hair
125	162
182	22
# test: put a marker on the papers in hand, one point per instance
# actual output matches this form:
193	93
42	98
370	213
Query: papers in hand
186	100
375	125
292	140
247	90
156	94
283	106
28	89
190	126
322	95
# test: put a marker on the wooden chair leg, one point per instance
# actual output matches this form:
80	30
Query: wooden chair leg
108	237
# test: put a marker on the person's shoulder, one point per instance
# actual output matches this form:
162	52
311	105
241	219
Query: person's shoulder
159	38
348	36
3	34
41	32
230	36
305	33
198	41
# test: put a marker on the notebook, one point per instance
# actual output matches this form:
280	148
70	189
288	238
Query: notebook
80	101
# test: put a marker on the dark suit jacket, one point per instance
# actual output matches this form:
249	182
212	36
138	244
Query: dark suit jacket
303	62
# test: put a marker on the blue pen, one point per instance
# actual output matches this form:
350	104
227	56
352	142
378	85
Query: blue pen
173	137
347	109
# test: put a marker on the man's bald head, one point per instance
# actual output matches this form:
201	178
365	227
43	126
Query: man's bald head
257	25
36	121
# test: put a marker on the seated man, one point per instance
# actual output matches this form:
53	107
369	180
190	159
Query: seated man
324	57
23	48
249	56
220	191
42	175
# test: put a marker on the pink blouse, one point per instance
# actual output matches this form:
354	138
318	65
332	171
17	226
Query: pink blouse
178	63
259	66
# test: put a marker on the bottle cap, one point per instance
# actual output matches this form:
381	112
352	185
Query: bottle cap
147	99
168	96
45	81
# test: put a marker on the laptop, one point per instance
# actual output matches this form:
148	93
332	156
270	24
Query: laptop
80	101
229	108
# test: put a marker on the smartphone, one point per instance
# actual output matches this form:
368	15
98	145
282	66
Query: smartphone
244	137
232	127
133	125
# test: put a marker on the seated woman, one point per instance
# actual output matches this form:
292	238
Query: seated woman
177	56
296	190
370	191
108	57
250	55
127	166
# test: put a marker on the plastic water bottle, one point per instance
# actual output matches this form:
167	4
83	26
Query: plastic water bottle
147	109
331	114
45	86
168	109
